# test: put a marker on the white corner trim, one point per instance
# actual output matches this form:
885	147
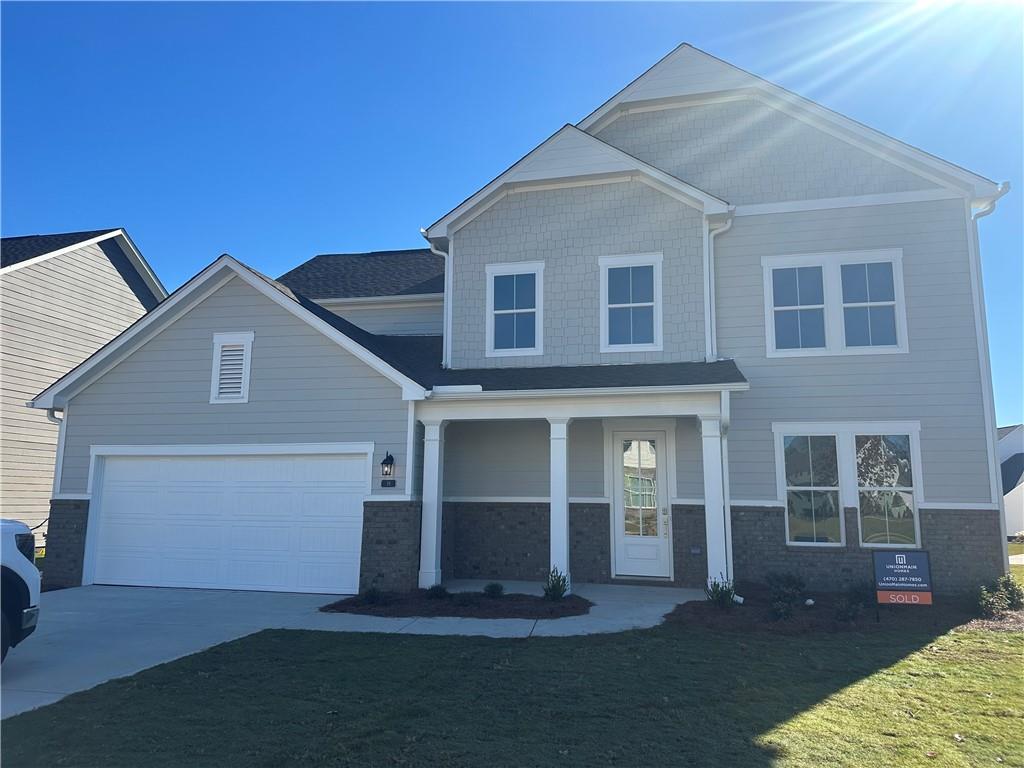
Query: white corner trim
831	263
854	201
536	268
410	447
220	340
632	260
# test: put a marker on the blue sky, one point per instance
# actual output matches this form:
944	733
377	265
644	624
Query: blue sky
275	132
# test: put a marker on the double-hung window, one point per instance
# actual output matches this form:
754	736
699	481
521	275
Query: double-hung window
872	467
515	300
631	303
835	303
885	490
812	489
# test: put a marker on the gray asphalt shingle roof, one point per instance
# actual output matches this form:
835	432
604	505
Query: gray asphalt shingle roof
377	273
14	250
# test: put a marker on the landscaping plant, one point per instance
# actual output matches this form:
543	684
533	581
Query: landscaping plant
556	586
1013	590
721	594
787	593
437	592
494	589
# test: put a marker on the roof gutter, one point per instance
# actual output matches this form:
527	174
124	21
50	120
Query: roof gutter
990	203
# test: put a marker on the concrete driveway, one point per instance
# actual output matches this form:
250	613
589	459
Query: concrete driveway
89	635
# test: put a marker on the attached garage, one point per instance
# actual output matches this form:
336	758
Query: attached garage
273	518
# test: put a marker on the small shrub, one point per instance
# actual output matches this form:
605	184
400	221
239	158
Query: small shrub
1013	591
782	610
848	609
371	596
721	594
786	587
437	592
494	589
556	586
992	604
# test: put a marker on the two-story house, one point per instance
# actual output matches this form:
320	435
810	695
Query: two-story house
62	297
712	330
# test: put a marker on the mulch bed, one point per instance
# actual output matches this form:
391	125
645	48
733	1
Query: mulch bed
472	605
755	615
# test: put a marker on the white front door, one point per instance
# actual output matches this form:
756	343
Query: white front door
643	536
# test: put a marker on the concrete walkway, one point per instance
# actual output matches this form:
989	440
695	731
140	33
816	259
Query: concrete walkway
89	635
1016	559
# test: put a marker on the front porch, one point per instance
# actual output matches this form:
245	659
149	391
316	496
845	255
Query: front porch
588	485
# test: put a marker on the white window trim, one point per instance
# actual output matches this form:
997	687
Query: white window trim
780	458
846	453
516	268
633	260
220	340
831	273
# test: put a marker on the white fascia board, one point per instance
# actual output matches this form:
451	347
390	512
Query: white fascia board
477	393
141	265
188	295
624	163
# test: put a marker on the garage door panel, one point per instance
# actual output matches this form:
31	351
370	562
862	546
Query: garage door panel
287	523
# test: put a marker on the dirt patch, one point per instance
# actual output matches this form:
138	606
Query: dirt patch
472	605
755	615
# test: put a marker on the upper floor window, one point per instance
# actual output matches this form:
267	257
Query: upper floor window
834	303
631	303
515	309
232	363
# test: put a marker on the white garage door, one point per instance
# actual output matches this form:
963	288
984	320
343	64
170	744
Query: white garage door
277	523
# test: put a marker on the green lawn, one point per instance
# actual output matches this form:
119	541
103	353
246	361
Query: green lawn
1016	548
674	695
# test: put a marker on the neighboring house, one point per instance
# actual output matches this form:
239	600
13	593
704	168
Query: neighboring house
712	330
62	297
1011	463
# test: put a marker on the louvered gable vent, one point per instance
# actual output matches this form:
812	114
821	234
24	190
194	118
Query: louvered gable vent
231	361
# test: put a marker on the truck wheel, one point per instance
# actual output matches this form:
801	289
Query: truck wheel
6	636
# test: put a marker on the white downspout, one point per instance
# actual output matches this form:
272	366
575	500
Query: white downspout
710	316
446	352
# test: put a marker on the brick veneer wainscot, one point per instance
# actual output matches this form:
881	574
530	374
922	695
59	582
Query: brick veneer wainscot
65	543
391	545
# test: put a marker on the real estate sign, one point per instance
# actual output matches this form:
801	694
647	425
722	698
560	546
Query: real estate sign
903	577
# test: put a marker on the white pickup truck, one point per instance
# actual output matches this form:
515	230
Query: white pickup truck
19	583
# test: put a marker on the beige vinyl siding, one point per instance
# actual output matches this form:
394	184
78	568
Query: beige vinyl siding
304	388
53	315
937	383
396	319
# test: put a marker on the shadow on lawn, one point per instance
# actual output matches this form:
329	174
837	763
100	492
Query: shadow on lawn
674	695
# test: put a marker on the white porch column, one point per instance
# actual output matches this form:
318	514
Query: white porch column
714	500
560	495
430	521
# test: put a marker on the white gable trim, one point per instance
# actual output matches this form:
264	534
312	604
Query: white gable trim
192	293
840	126
133	254
616	164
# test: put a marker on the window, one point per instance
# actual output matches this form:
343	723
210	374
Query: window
872	467
834	304
631	303
232	361
885	490
813	514
869	304
798	297
515	309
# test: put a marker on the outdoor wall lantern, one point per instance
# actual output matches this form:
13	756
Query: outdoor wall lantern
387	466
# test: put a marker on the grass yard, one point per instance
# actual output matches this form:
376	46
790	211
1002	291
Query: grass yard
910	695
1016	547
